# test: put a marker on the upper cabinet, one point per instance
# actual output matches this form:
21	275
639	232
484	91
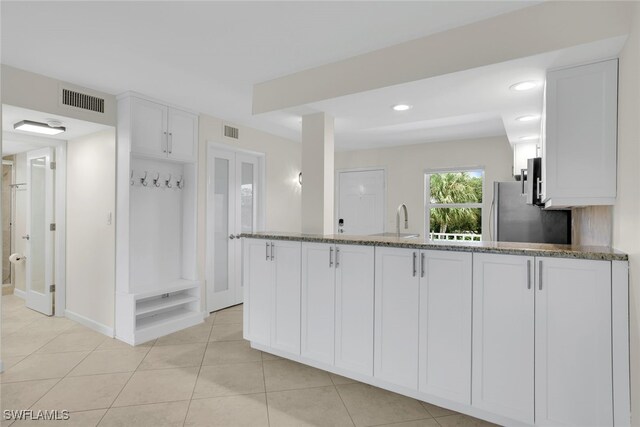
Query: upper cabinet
579	136
164	132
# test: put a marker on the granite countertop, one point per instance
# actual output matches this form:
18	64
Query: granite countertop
532	249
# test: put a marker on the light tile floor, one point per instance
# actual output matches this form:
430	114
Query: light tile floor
206	375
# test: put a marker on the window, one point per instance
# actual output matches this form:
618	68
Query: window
454	204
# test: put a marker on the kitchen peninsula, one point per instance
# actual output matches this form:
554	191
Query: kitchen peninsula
516	334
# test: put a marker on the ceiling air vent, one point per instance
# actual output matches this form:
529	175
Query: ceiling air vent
231	132
82	100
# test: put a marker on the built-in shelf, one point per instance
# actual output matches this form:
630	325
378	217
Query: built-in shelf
162	303
159	319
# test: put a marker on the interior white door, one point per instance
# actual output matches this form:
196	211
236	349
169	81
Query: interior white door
361	201
231	209
39	253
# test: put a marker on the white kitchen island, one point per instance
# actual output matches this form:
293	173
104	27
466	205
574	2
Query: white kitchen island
516	334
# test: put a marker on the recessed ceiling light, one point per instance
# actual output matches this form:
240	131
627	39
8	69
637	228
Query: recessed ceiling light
528	85
402	107
37	127
529	138
527	118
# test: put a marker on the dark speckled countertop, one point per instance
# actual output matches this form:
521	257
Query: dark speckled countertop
531	249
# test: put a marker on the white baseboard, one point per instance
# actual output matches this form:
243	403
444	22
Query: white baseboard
19	293
91	324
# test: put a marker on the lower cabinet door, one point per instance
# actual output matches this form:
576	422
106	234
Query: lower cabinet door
573	343
445	325
258	288
354	308
318	302
285	328
396	316
503	335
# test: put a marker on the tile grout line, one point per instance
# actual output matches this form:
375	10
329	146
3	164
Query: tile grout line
342	400
125	384
195	383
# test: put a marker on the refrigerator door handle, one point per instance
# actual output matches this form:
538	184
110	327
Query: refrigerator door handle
523	174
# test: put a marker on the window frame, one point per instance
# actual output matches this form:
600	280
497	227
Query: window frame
427	195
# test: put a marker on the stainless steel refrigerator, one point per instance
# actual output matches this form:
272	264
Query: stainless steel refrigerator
513	220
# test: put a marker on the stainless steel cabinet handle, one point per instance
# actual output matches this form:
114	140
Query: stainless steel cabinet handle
272	251
422	265
170	142
331	257
528	274
539	275
26	237
415	259
166	143
267	250
337	257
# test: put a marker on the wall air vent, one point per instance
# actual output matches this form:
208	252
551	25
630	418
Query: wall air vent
231	132
81	100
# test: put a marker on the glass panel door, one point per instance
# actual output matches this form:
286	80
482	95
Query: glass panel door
231	210
39	236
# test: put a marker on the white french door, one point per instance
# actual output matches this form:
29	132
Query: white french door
232	209
39	237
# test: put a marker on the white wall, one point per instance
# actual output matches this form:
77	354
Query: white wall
405	166
626	219
283	162
91	187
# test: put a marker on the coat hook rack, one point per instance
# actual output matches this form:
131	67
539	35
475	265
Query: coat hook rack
143	180
156	180
180	182
168	182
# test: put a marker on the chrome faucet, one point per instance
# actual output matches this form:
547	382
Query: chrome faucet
406	218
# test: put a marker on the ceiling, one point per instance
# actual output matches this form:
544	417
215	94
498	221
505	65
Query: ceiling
19	141
207	56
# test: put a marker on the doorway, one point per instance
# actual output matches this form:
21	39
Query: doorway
361	196
234	206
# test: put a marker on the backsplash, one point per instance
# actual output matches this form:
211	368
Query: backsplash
592	226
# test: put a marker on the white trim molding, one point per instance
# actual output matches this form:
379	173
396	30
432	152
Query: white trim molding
91	324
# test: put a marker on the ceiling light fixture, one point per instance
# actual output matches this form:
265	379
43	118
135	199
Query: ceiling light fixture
522	86
527	118
529	138
402	107
37	127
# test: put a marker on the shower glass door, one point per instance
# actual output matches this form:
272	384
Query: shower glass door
39	237
231	210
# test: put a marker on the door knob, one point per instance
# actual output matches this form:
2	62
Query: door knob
26	237
231	236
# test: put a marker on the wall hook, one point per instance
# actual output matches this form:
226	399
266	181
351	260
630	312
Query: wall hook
168	182
156	180
143	180
180	182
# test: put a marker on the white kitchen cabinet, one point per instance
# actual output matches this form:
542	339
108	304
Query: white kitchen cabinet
285	315
318	302
397	284
183	135
271	279
573	363
258	283
163	132
354	267
579	143
148	128
445	324
503	335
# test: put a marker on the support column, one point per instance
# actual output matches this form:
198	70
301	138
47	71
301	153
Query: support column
317	174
